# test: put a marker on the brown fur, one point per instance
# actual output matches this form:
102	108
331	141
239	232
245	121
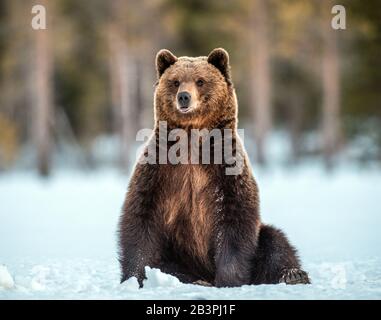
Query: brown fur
193	220
208	113
188	203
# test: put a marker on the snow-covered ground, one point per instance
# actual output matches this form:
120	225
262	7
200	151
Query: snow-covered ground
57	237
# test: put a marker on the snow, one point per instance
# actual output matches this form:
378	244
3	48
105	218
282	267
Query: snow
58	236
6	280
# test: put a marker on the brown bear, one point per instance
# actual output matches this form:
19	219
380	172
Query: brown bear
194	221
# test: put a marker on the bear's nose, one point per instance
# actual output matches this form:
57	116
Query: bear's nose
184	99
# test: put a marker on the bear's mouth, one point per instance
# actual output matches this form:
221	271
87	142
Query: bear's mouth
189	109
184	109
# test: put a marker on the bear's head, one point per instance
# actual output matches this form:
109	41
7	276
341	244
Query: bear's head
195	92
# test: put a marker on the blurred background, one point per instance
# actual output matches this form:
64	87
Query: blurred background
75	94
72	98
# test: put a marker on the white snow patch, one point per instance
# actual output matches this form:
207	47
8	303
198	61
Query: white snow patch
156	279
6	280
39	280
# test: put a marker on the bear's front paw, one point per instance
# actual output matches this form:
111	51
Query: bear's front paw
139	275
294	276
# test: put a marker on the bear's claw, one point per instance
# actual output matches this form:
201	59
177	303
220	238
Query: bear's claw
294	276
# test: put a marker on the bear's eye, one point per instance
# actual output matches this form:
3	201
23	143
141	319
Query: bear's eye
176	83
200	82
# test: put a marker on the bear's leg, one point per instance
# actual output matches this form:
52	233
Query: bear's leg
140	239
276	259
139	247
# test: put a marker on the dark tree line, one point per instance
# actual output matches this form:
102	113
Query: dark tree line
91	73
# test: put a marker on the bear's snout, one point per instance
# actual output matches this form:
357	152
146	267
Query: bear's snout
184	99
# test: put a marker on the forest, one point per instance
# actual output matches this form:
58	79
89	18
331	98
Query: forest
77	83
76	93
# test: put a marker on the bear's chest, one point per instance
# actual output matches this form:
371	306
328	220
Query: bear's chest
188	208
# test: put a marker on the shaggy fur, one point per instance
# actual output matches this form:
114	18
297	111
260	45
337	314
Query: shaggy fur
192	220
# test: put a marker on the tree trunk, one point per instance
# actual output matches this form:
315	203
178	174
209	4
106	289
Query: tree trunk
43	101
260	76
120	93
125	89
330	87
296	117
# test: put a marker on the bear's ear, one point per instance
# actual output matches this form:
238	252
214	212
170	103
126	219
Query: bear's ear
220	59
164	59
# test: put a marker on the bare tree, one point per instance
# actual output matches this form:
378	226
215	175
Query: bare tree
260	75
119	90
43	99
330	86
130	42
121	73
